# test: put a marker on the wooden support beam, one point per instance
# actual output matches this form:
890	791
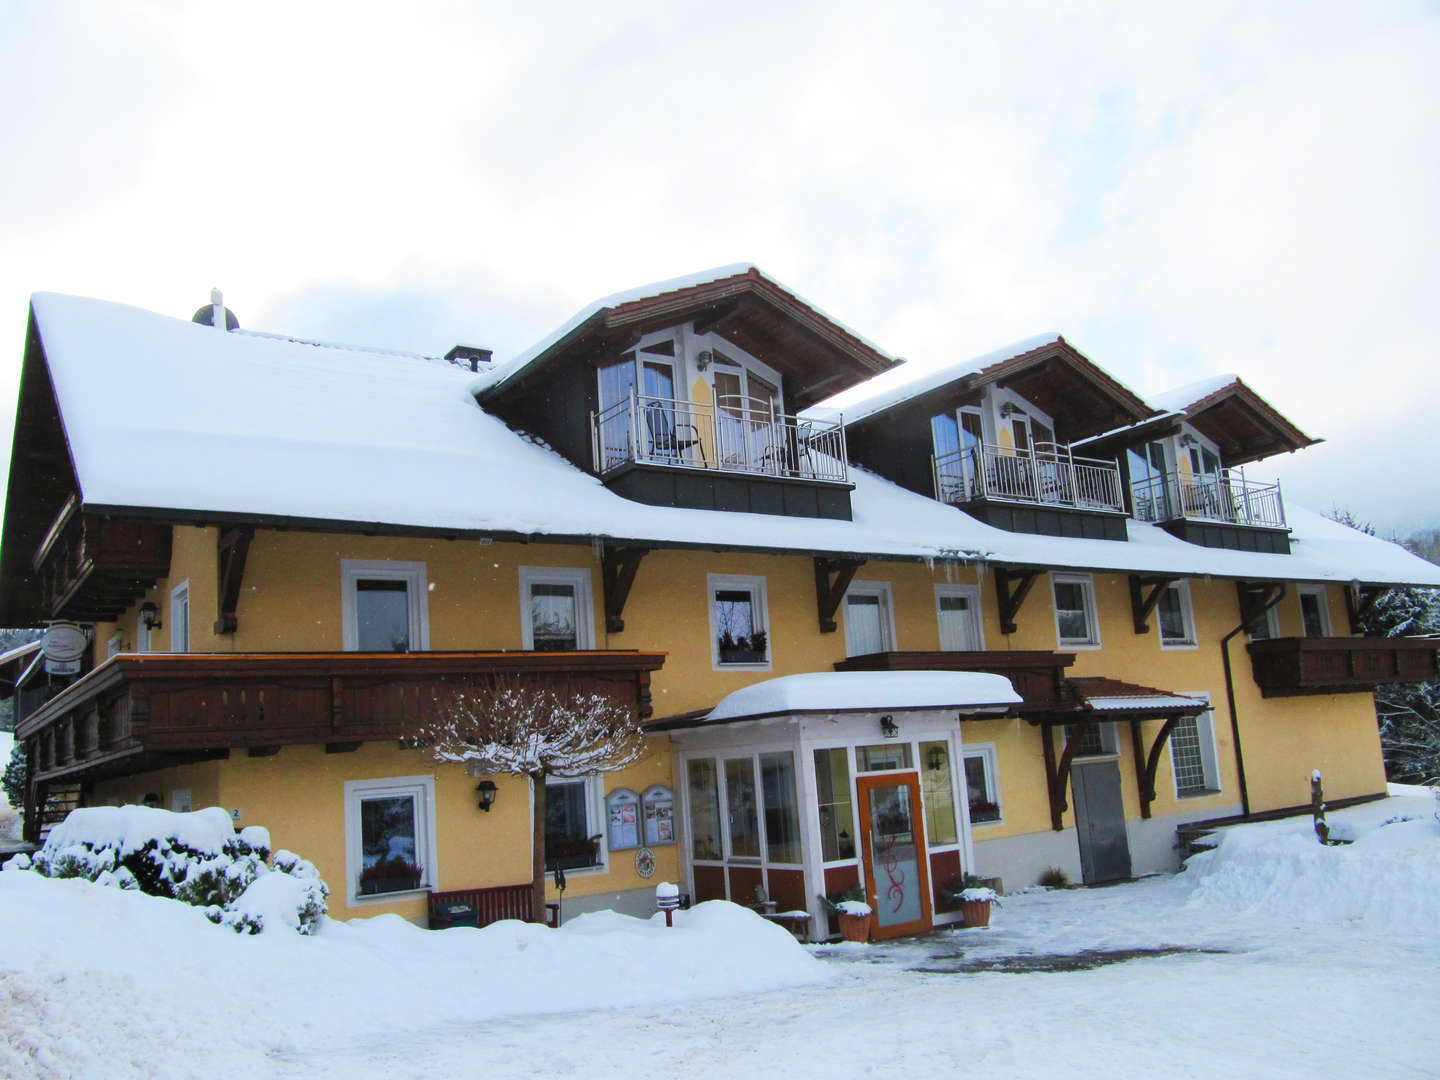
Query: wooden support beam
1147	763
830	591
1057	774
1359	602
618	566
232	547
716	315
1012	587
1142	603
1255	597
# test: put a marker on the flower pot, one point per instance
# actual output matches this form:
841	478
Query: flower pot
975	912
855	927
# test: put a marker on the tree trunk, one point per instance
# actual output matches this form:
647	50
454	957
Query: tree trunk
537	849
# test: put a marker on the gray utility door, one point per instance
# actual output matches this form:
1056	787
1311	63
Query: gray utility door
1100	821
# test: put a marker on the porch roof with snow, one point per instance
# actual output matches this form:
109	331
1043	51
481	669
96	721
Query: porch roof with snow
835	692
149	417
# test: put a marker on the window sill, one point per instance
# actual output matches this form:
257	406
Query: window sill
357	900
986	824
1205	794
586	871
1079	644
765	666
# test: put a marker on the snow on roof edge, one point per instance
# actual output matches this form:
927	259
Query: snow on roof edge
850	691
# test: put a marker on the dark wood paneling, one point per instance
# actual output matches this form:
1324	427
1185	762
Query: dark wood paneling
1290	667
744	880
708	882
787	889
1230	537
1049	520
708	489
838	878
899	448
1037	676
944	866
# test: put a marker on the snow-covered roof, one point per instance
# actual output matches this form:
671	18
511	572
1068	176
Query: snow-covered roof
165	415
892	387
862	691
1181	398
1100	694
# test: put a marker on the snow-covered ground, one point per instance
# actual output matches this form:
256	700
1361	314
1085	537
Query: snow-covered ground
1286	959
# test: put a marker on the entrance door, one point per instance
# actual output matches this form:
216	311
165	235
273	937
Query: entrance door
897	870
1100	821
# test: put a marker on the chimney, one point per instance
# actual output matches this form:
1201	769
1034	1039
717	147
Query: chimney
469	354
216	313
217	309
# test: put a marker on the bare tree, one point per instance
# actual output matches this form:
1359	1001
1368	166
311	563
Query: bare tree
535	730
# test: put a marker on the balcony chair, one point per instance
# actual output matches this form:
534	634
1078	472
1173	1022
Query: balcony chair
666	440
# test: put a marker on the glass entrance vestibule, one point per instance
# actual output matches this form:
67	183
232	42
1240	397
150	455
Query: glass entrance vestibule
798	807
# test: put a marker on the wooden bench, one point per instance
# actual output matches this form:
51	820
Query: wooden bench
496	903
797	922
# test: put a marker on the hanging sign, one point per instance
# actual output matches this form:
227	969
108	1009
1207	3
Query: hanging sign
63	645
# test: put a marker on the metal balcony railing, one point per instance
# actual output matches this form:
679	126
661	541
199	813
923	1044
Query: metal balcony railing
737	435
1048	474
1225	497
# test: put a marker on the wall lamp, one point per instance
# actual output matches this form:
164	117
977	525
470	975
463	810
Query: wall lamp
149	616
888	727
485	794
703	358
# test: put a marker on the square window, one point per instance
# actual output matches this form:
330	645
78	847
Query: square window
555	609
958	609
180	617
1193	756
574	835
1264	628
1092	740
1176	618
982	786
1076	623
869	623
1315	610
389	836
384	606
739	621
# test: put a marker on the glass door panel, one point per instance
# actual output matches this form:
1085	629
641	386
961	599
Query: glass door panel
896	859
740	808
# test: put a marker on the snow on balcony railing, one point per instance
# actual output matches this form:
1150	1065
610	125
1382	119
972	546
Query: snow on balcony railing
1048	474
1225	497
738	435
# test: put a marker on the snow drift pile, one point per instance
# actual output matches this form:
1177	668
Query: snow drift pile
196	858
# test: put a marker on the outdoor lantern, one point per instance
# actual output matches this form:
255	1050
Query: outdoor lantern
667	899
702	361
888	727
485	792
149	616
936	758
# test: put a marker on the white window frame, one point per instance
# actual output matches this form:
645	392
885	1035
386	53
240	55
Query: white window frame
113	644
595	819
417	595
1191	639
576	577
1209	752
1092	615
990	756
1109	743
977	622
142	635
759	608
1322	598
1272	625
880	589
180	601
423	789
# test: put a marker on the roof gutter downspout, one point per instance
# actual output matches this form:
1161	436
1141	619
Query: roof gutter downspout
1230	700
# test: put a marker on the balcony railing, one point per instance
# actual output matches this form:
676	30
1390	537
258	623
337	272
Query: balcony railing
1048	474
1225	497
736	435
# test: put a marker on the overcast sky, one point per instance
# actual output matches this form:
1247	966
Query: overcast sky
1181	190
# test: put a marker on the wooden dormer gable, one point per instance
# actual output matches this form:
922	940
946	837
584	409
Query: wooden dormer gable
1244	425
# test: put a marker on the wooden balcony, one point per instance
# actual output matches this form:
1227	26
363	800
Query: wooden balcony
1037	676
139	712
1289	667
91	568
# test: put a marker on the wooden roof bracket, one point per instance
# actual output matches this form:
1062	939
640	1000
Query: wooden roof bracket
1147	763
1359	602
232	548
618	567
712	319
1011	598
1142	603
1057	773
829	592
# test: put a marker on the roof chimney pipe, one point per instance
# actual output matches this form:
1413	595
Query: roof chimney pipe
216	313
473	355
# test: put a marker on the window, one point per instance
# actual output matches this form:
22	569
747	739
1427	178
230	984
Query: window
761	817
1176	617
738	622
883	757
741	808
1076	624
1315	610
384	606
782	816
869	619
938	794
982	788
832	794
704	809
1193	755
1094	740
389	836
555	609
958	609
180	617
1265	627
574	838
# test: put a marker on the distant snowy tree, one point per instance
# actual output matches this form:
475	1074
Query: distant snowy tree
1409	713
536	731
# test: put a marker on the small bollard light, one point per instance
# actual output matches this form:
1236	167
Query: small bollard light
667	899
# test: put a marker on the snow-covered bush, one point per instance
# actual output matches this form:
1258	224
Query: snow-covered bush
196	858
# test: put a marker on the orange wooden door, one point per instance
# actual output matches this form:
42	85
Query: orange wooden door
897	863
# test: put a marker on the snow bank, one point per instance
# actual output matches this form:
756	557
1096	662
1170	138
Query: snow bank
1387	880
